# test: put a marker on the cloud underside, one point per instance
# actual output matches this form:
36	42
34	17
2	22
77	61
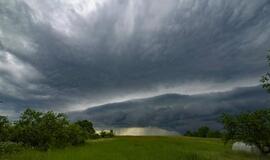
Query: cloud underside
69	54
176	112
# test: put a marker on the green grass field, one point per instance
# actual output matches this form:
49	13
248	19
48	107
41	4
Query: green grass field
141	148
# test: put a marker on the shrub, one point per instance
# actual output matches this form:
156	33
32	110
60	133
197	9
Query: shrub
4	129
252	128
9	148
106	134
86	126
76	135
204	132
94	136
45	130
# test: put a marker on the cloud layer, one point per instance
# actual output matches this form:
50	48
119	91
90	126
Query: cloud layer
71	54
176	112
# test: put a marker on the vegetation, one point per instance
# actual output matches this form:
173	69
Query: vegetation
44	131
9	148
204	132
4	128
141	148
252	128
266	78
86	126
105	134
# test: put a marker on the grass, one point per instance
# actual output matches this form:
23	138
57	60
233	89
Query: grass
141	148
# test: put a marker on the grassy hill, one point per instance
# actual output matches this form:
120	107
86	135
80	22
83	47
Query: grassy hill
141	148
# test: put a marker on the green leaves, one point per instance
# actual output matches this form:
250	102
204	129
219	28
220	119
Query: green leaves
44	130
86	126
4	128
265	80
204	132
252	128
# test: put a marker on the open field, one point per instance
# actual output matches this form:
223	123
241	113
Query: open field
141	148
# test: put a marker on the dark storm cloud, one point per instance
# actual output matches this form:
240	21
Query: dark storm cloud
176	112
64	52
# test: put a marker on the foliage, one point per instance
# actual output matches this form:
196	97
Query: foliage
86	126
4	128
252	128
76	135
266	78
94	136
106	134
9	148
204	132
44	130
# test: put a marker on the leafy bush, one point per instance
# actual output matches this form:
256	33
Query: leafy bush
45	130
94	136
76	135
4	129
105	134
9	148
252	128
87	127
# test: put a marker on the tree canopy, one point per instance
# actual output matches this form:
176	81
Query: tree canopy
266	78
252	128
44	130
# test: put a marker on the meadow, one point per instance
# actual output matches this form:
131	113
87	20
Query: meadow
140	148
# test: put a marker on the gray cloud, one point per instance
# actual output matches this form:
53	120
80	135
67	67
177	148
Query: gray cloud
176	112
70	53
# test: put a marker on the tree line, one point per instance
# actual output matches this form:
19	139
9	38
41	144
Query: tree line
204	132
47	130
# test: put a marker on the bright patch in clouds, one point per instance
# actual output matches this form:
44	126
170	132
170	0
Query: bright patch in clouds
61	15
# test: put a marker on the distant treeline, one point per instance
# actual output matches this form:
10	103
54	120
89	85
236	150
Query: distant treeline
204	132
46	130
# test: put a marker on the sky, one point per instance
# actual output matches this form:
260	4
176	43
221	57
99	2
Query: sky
68	55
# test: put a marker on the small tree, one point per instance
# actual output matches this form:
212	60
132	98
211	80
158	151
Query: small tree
203	131
252	128
107	134
266	78
4	128
45	130
86	126
188	134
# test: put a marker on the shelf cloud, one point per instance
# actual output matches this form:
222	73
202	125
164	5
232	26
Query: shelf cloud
71	54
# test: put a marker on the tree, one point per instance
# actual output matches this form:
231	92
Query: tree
26	130
87	126
4	128
76	135
188	134
204	132
45	130
106	134
252	128
266	78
